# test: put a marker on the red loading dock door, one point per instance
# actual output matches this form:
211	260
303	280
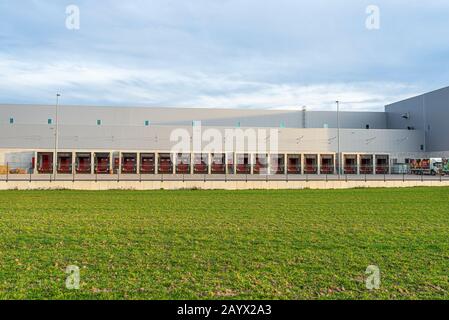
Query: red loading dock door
45	163
147	164
201	164
165	164
218	164
243	166
311	165
183	164
129	163
382	166
327	165
350	165
83	163
102	163
65	163
261	165
294	164
366	165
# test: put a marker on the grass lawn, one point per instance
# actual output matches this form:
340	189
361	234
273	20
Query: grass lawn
308	244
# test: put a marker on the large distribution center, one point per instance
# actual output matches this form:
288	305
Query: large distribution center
137	140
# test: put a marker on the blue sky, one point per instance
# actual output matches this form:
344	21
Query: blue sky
272	54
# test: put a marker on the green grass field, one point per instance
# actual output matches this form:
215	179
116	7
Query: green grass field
306	244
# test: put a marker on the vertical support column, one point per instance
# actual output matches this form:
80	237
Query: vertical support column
192	162
303	161
174	159
138	162
156	162
358	164
226	163
335	164
374	164
268	164
209	163
285	163
73	164
339	168
92	162
318	163
340	160
55	161
234	166
251	160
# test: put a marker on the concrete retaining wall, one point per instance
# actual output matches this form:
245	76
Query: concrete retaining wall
208	185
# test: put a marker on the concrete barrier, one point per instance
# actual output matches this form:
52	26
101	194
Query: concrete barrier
210	185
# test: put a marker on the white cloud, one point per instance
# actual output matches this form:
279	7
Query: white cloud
93	83
223	53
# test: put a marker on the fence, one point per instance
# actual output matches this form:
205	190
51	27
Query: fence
25	172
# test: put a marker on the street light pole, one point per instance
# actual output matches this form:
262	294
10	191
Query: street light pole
338	139
55	158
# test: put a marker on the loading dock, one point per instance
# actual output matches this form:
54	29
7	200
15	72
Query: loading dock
218	165
45	162
102	162
260	164
83	163
382	164
243	164
183	163
147	164
311	164
165	163
277	164
129	163
327	164
294	164
64	164
350	164
201	163
366	164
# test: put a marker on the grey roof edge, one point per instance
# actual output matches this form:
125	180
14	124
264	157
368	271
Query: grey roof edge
418	96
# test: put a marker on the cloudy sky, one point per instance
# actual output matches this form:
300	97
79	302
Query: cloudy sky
272	54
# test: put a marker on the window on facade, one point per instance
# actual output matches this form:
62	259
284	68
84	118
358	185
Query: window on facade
49	121
367	126
98	122
238	125
196	123
282	125
326	126
147	123
11	120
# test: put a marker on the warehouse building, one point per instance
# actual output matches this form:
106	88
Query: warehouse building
130	140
